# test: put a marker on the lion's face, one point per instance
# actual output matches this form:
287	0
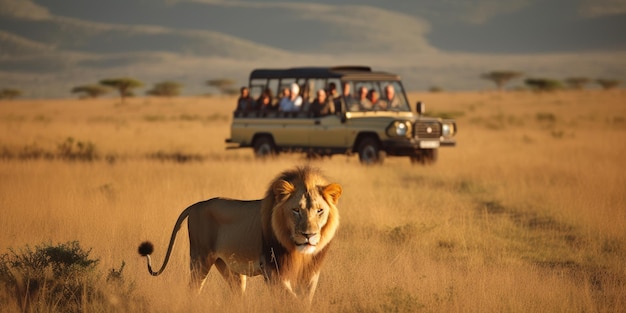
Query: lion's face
305	218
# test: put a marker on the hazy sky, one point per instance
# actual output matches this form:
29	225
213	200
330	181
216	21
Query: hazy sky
57	44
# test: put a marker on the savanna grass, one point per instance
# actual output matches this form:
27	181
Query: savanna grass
515	218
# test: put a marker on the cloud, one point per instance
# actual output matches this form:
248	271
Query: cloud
366	29
24	9
333	27
46	55
598	8
13	45
481	11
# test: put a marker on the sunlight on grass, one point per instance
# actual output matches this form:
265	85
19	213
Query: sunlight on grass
526	214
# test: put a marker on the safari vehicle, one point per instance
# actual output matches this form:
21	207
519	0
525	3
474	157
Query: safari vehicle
372	134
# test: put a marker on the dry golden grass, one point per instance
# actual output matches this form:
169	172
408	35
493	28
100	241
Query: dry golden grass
526	214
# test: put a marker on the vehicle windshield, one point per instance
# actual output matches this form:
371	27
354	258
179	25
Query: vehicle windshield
363	96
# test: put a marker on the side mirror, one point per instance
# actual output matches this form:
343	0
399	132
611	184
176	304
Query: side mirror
420	107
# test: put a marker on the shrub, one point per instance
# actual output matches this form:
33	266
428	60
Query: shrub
178	157
546	117
608	83
543	84
500	78
51	276
72	150
90	91
165	89
10	93
60	278
399	300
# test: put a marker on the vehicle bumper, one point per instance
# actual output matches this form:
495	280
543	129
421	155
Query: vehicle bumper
411	147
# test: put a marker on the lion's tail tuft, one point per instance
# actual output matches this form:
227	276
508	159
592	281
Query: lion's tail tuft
146	248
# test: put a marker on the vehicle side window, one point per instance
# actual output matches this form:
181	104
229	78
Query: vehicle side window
272	84
256	87
363	95
333	90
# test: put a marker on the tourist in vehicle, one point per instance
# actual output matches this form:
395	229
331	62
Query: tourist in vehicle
305	94
377	104
268	91
334	96
390	98
264	103
362	103
332	91
245	103
347	96
291	101
322	105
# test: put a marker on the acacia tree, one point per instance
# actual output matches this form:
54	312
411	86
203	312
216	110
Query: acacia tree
224	85
577	83
124	85
543	84
608	83
90	91
10	93
500	78
165	89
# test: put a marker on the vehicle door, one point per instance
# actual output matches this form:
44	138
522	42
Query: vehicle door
291	129
329	131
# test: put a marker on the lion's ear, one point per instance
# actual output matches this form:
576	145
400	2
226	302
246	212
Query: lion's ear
333	191
282	189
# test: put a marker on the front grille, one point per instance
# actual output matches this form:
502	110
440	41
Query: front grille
427	129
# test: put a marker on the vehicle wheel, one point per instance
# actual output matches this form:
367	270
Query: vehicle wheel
417	159
264	147
370	153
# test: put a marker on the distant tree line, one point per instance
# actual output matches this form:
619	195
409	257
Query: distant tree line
125	86
501	78
10	93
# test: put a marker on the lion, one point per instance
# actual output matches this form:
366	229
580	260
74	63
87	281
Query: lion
284	236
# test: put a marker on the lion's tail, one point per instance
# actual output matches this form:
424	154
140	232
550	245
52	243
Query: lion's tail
146	248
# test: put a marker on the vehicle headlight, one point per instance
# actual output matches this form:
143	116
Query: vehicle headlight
399	129
447	129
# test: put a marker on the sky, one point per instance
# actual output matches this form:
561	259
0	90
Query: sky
49	46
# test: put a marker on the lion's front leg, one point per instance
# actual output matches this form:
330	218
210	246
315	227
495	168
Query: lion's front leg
301	291
312	286
287	286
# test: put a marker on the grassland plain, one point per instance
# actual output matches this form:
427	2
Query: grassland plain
526	214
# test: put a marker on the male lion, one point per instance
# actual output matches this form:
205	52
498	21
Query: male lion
283	236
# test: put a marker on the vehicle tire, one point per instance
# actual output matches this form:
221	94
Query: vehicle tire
417	159
370	152
264	147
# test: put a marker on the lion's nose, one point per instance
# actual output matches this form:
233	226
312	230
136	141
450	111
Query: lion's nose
308	235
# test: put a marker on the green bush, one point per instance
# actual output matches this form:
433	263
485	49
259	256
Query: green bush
59	278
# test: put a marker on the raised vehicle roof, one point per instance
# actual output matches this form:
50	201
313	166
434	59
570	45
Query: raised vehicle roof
341	72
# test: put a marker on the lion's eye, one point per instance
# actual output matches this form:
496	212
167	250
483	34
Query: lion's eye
296	210
320	211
